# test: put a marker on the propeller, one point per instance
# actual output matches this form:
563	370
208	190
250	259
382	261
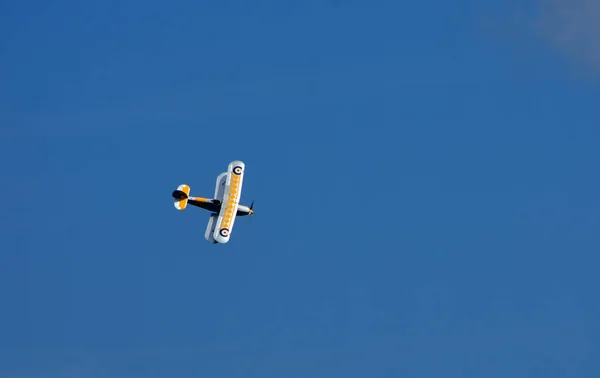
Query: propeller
251	211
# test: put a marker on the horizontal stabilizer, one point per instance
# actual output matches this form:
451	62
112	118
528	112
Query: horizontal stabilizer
181	196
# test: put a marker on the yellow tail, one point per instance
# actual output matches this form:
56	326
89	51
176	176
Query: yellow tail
181	196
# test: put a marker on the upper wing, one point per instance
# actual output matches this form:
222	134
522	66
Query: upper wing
231	198
220	186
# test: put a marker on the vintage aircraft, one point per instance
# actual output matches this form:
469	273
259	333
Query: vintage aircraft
224	207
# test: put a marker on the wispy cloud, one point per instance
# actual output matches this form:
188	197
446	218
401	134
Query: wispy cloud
573	26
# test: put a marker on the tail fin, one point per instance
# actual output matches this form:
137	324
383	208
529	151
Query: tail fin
181	196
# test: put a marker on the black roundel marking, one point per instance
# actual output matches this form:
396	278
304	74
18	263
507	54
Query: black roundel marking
224	232
237	170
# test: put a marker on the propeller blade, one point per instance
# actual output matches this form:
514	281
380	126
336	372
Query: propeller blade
251	212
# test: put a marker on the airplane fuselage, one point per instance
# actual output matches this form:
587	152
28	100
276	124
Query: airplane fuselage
212	205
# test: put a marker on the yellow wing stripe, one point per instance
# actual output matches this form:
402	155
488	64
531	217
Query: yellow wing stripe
232	200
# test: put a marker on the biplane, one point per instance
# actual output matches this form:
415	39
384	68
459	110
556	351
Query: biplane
224	207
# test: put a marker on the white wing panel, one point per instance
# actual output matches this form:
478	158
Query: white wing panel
220	186
210	228
231	199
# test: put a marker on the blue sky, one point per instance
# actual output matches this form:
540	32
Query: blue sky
425	177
